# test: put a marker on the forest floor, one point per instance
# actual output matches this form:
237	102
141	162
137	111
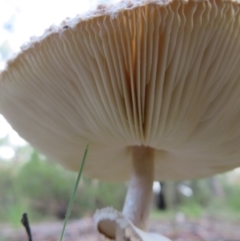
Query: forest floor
204	229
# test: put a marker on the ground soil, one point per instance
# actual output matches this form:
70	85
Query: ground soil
205	229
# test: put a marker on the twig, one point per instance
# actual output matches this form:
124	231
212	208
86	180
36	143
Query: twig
25	223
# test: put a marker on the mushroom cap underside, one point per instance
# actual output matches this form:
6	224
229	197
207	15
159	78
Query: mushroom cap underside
160	74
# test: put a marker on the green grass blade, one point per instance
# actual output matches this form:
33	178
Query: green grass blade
74	193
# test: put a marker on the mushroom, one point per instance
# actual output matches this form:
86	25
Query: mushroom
152	85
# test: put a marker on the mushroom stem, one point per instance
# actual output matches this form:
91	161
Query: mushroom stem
139	194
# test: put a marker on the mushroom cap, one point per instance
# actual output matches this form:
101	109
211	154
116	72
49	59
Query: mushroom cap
161	74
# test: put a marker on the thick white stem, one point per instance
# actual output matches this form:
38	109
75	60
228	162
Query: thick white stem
120	226
139	194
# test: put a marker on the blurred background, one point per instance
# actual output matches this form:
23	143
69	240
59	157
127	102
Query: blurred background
207	209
